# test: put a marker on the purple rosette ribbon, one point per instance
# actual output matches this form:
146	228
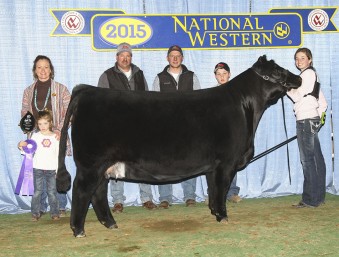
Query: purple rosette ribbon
25	181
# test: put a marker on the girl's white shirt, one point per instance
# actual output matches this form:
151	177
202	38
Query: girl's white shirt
46	155
307	107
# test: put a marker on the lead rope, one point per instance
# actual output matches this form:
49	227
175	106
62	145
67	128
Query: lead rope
332	133
278	146
288	153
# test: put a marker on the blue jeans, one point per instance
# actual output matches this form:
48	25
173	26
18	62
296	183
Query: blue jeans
62	198
38	179
117	192
312	161
234	189
188	187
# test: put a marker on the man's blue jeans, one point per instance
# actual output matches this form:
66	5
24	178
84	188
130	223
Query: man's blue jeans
38	179
62	198
188	187
117	192
234	189
312	161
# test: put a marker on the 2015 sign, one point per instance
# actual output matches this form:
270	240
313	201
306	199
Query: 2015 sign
118	30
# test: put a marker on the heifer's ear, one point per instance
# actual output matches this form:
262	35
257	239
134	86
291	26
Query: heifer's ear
262	59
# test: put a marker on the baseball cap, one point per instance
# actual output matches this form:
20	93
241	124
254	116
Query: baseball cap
175	48
221	65
124	47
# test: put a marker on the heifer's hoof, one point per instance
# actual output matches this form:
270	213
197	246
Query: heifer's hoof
114	226
224	220
110	224
80	235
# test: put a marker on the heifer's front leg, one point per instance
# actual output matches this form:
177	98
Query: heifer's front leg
100	205
218	185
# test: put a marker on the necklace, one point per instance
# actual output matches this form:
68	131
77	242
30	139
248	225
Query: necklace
46	100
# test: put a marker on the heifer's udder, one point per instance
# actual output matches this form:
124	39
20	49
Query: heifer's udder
116	171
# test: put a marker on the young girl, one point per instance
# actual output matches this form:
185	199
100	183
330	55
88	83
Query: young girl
308	108
45	164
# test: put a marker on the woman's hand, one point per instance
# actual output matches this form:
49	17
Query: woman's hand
57	134
22	144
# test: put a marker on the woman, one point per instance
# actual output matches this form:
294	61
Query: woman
309	106
44	93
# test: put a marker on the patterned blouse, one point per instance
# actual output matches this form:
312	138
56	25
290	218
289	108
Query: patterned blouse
60	98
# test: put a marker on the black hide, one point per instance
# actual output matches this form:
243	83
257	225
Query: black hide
166	137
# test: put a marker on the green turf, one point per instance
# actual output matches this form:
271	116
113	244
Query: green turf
257	227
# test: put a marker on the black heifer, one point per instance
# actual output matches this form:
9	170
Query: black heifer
165	137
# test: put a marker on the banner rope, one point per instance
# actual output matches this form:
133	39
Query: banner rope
144	6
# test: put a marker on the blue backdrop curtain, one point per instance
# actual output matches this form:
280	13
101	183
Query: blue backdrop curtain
25	33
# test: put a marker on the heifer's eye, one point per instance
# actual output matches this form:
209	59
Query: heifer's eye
277	74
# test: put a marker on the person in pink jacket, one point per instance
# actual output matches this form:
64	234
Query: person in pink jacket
309	107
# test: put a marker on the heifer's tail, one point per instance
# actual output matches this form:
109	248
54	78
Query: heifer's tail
63	178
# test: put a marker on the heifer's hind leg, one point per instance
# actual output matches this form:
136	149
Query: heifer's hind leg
218	184
100	205
83	188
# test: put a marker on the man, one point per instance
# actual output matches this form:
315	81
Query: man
124	75
176	77
222	74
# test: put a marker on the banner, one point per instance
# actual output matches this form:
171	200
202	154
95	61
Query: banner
280	28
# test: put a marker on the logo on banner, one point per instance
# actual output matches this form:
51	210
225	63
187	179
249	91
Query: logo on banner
72	22
314	19
281	30
318	20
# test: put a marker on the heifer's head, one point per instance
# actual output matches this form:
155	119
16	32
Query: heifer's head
272	72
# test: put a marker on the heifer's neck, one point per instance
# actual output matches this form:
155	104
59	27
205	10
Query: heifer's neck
254	98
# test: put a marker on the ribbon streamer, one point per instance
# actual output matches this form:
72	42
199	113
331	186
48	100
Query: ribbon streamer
25	181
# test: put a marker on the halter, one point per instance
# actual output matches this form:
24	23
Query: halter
280	80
